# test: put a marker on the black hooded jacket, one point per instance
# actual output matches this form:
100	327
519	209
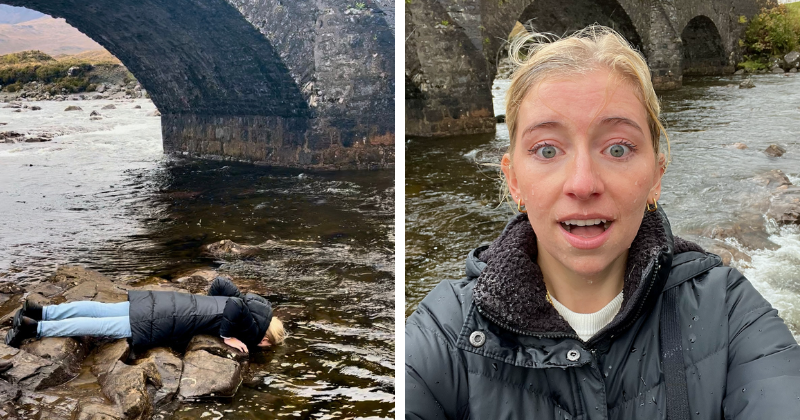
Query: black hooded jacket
173	318
491	347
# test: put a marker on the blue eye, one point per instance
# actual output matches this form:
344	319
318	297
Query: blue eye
547	152
618	150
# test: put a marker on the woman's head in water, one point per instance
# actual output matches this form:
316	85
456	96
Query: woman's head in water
584	158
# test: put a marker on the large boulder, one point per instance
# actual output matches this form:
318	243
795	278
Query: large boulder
96	411
217	347
792	59
785	206
229	249
773	179
126	386
47	406
104	357
774	151
66	351
208	376
32	372
163	369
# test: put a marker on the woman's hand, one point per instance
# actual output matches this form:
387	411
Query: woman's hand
235	343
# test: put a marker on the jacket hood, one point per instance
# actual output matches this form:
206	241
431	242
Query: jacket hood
261	311
510	289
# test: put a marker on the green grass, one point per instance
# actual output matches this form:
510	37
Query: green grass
28	66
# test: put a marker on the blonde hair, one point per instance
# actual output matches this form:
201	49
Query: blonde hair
275	332
539	56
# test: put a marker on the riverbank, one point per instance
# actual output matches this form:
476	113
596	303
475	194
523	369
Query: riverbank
35	76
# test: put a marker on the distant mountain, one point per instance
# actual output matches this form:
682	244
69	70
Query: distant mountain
46	34
11	14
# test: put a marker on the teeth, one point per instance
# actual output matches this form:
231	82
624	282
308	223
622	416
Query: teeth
568	224
590	222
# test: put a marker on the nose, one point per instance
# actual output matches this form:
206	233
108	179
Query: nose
583	180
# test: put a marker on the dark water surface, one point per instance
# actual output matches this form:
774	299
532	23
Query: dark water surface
452	185
102	194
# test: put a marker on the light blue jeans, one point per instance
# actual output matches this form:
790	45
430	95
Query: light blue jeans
86	318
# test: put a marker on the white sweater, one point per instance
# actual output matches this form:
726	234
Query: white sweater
587	325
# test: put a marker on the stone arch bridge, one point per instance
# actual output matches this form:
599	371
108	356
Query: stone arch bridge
453	47
283	82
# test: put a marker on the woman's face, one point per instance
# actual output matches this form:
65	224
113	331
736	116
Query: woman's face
584	166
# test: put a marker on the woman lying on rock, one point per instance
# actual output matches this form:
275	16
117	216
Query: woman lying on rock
157	318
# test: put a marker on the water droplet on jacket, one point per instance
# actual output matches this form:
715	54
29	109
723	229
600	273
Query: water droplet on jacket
743	389
692	338
633	350
694	318
494	365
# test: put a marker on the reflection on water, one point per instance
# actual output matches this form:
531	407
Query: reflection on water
103	195
452	184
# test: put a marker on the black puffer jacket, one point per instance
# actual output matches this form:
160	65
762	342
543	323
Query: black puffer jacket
491	347
173	318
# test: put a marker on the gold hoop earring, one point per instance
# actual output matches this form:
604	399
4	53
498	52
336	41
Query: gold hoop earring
651	209
519	206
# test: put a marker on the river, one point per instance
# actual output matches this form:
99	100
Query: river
103	194
452	185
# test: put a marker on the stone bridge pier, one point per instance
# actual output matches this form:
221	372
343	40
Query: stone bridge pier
281	82
453	48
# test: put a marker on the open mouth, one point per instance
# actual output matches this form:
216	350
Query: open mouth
586	228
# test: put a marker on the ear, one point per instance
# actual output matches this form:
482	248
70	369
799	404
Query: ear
511	177
661	166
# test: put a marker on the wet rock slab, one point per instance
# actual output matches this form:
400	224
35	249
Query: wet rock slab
125	385
785	206
31	372
166	366
208	376
65	351
217	347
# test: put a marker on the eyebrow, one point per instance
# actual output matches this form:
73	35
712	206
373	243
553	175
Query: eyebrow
621	120
605	121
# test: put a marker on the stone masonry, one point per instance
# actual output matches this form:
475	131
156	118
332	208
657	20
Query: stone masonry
297	84
453	47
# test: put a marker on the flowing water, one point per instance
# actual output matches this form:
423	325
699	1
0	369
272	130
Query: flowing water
103	194
452	185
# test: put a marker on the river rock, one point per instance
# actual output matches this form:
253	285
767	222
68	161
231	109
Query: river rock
792	59
94	114
86	284
47	406
208	376
774	151
66	351
73	108
95	411
729	254
10	288
500	118
778	70
109	106
137	107
773	179
217	347
163	367
35	108
747	84
125	385
750	232
785	206
229	249
8	392
32	372
740	71
740	146
106	356
155	113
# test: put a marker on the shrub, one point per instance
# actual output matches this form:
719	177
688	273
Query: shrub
773	32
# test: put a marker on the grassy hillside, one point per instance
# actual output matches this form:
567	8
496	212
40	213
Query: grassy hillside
772	33
17	69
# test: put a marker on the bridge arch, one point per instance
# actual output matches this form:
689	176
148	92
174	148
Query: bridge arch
703	50
226	88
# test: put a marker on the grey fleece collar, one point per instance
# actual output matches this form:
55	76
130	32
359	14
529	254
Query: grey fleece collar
510	289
